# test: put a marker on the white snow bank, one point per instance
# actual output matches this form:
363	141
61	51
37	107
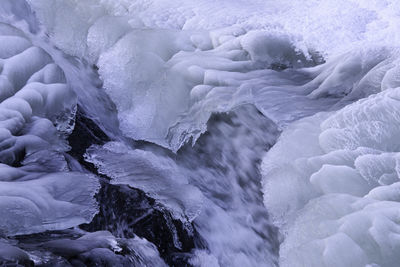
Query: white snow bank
331	184
168	65
49	202
37	111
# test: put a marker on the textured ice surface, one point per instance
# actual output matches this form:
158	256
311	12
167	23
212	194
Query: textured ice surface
78	248
37	108
331	181
103	249
157	176
12	254
168	65
335	193
165	81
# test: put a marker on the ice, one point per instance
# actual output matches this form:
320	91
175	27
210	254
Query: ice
338	185
79	248
49	202
167	67
356	74
12	45
38	190
159	177
221	198
87	242
157	76
9	253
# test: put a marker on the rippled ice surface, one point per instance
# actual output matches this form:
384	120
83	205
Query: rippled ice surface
204	133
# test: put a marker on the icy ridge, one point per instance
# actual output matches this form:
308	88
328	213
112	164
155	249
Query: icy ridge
169	71
37	111
335	194
331	178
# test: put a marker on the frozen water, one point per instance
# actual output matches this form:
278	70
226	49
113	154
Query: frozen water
167	68
168	65
222	198
10	253
157	176
333	194
47	202
79	248
36	111
167	82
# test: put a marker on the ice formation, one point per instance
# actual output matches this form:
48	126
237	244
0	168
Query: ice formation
37	190
167	72
218	197
167	82
335	194
99	248
227	76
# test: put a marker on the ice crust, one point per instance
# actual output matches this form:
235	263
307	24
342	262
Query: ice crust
38	191
168	65
102	248
159	177
77	248
165	81
335	194
331	181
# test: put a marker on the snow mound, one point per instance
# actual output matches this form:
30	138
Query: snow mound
48	202
37	110
168	66
335	194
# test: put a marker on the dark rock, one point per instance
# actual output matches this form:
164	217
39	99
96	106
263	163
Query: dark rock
126	211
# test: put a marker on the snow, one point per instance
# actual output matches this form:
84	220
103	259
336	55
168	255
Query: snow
36	110
338	186
323	72
165	81
168	65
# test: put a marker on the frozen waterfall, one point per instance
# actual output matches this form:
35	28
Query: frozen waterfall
200	133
